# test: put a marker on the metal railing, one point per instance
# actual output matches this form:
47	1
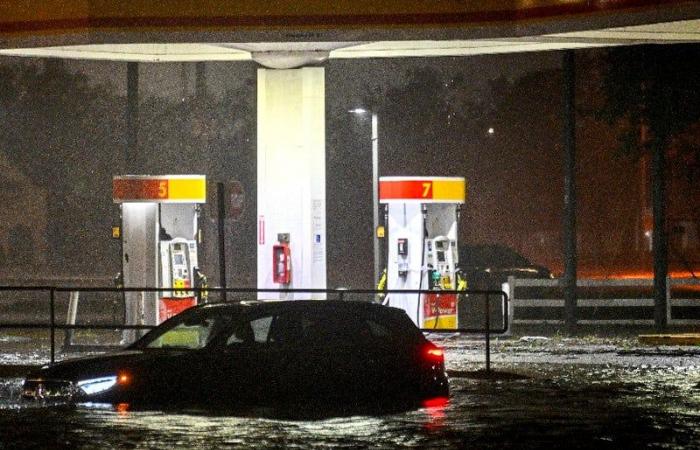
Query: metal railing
468	300
625	305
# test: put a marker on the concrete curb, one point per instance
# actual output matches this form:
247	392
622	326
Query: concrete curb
670	339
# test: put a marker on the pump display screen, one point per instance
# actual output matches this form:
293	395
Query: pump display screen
178	259
441	256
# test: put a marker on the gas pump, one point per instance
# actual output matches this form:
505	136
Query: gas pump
441	257
422	214
178	258
160	238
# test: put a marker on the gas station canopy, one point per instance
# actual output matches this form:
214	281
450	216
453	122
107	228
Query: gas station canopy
302	32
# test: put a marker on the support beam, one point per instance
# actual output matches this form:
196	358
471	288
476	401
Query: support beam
659	238
569	234
292	176
132	159
661	132
221	221
375	197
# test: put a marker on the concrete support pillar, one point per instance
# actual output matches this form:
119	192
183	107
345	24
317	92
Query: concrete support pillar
292	175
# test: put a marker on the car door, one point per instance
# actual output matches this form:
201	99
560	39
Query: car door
176	364
317	357
387	355
246	363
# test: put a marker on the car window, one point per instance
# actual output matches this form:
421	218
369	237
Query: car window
188	335
394	325
250	331
318	328
507	256
261	328
192	329
378	330
286	329
490	255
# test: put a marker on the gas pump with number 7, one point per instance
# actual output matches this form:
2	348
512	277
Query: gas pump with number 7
422	215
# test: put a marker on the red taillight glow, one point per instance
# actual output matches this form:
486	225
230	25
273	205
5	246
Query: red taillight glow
435	408
122	408
436	402
434	354
123	378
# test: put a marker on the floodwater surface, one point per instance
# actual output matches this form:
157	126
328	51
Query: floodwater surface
649	401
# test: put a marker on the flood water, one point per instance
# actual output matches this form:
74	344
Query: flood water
548	396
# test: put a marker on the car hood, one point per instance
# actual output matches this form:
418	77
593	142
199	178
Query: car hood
525	270
518	271
94	366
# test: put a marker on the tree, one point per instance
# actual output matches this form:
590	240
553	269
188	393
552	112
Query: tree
64	134
651	94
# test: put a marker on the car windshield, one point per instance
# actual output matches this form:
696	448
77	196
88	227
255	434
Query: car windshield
492	255
189	331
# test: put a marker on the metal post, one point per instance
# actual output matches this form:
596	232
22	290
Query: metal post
221	203
375	193
71	317
52	320
132	117
488	334
659	238
570	260
669	316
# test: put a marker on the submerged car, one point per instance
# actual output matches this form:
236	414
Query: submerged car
258	353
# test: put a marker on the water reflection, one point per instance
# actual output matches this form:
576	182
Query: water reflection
553	405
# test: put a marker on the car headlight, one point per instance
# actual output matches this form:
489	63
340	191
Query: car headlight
96	385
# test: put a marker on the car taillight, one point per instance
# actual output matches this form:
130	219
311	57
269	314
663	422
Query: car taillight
434	354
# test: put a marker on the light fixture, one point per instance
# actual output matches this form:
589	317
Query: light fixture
96	385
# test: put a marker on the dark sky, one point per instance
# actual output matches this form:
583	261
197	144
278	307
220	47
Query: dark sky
435	114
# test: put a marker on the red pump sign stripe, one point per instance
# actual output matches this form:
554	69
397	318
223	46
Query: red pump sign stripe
422	189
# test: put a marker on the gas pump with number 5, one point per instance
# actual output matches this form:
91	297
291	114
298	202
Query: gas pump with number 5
178	262
160	236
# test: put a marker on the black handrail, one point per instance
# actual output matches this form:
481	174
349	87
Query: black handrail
341	295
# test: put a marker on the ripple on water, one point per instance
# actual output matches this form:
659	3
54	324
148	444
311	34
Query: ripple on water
604	406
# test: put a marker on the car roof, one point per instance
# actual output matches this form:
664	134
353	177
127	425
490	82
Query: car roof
272	306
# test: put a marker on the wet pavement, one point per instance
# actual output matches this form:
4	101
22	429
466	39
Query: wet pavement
574	393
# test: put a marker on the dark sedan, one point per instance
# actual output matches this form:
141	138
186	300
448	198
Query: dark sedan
489	266
259	353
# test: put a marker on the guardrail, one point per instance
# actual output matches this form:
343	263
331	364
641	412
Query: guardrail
49	295
613	305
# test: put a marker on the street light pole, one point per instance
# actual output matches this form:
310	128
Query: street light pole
375	186
375	193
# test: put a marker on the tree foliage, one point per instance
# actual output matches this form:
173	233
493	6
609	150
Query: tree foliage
652	93
68	135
